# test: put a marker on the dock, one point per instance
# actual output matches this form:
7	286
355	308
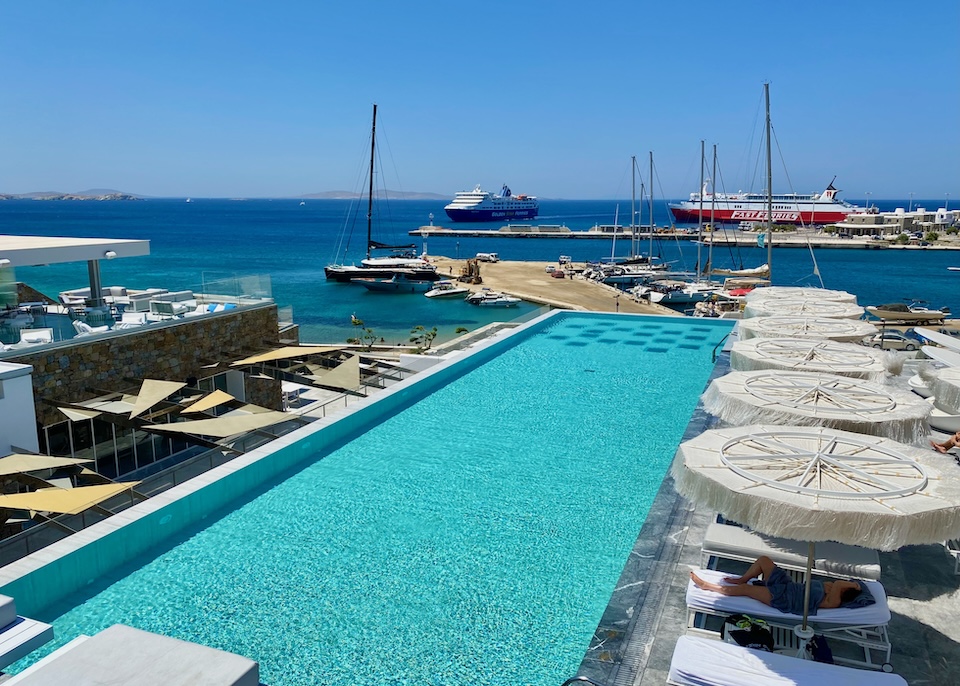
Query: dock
530	281
600	231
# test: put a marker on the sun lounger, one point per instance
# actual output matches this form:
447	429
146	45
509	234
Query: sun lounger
864	627
702	662
730	542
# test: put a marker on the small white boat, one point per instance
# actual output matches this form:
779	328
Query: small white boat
398	283
488	298
446	289
901	312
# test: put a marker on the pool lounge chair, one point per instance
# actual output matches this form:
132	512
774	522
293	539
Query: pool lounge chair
730	542
865	628
702	662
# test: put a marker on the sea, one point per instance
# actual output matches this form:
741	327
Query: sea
288	242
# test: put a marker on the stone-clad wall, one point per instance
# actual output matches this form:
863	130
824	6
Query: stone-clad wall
82	368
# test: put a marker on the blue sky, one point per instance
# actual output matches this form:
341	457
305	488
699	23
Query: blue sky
273	99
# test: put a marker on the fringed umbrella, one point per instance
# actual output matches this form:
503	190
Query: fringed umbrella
806	307
843	330
800	293
819	484
811	399
945	387
811	355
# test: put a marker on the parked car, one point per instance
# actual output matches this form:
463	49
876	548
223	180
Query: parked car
892	340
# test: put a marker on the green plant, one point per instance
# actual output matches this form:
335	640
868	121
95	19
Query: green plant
422	338
364	335
931	236
902	239
461	329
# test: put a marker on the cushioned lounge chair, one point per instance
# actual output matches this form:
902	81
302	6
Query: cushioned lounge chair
729	542
702	662
864	627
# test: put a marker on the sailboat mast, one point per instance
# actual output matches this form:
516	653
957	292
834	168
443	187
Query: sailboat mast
700	216
650	256
766	97
713	207
373	147
633	205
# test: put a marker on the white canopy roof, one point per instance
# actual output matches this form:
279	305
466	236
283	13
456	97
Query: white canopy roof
810	355
806	307
818	484
800	293
29	251
813	399
844	330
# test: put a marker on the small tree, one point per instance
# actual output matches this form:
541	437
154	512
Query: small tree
903	239
364	336
932	236
461	329
422	338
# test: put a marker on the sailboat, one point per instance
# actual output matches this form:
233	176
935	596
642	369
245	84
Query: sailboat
402	259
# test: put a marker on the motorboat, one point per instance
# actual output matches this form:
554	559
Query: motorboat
398	283
488	298
446	289
902	312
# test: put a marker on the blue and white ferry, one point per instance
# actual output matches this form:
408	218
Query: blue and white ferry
480	206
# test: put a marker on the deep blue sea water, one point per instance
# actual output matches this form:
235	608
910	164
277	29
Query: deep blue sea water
196	242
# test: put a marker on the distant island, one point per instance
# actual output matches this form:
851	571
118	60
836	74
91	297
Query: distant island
95	194
395	195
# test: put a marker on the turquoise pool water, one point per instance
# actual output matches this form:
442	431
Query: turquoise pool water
473	538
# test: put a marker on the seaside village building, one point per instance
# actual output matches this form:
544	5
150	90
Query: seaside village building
892	224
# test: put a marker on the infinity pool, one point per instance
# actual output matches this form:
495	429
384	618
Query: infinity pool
473	537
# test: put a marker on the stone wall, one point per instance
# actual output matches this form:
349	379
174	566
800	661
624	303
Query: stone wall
84	368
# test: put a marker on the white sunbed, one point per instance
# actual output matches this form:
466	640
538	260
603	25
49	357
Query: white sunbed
865	627
730	542
702	662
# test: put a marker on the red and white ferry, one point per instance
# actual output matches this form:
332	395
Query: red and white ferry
816	208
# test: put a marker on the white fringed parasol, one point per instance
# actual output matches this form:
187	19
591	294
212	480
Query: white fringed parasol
807	307
811	355
844	330
812	399
946	389
818	484
800	293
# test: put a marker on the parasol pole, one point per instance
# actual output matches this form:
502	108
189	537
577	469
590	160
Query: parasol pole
802	631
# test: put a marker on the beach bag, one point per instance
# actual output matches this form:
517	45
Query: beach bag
749	632
818	650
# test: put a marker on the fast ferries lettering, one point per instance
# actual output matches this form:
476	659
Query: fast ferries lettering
761	215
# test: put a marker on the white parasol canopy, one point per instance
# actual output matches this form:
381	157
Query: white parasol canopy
800	293
820	484
946	389
844	330
802	307
811	355
814	399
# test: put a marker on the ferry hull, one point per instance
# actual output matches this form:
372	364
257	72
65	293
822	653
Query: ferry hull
487	215
688	215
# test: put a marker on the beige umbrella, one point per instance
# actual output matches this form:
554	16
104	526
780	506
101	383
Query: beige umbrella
810	307
816	399
946	389
812	355
819	484
800	293
843	330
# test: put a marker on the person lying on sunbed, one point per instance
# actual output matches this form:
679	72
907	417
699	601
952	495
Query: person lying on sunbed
781	592
948	444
